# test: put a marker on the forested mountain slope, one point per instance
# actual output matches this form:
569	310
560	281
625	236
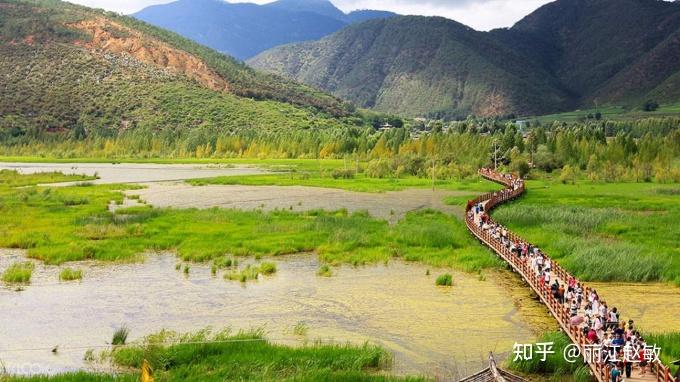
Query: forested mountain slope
420	65
566	54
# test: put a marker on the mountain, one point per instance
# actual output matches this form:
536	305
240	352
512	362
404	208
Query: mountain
320	7
243	30
566	54
610	50
69	68
420	65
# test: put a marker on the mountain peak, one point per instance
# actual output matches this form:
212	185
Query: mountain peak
321	7
243	30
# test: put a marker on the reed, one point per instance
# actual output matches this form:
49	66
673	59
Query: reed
120	336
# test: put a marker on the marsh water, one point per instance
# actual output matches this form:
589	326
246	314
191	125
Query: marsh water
445	332
133	172
165	187
431	330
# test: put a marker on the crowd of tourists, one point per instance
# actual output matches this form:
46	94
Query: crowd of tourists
617	341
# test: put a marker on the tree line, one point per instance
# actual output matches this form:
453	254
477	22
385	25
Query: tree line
642	150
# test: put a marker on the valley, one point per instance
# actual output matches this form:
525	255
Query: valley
324	210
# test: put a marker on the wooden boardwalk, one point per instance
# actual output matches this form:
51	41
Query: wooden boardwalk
514	189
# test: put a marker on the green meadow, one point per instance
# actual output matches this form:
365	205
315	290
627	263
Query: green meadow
358	182
610	113
63	224
9	178
602	231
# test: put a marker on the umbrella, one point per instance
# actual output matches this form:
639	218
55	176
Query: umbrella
576	320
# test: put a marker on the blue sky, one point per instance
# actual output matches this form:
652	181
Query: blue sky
479	14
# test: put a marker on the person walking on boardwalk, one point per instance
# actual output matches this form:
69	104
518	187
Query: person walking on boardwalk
615	373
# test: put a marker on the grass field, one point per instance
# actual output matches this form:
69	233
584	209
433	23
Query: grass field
245	356
73	223
359	183
602	232
299	164
610	112
11	178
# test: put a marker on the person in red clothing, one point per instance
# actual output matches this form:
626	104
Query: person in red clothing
592	336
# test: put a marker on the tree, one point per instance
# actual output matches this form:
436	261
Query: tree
650	105
521	167
544	159
568	175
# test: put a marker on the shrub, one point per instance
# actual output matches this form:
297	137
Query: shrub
378	169
325	271
267	268
568	175
70	274
650	105
342	174
444	280
18	273
521	167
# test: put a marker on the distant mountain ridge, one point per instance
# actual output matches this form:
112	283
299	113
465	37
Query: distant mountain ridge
243	30
566	54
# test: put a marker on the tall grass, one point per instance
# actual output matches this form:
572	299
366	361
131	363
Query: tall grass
120	336
38	221
247	355
669	343
555	364
19	272
602	232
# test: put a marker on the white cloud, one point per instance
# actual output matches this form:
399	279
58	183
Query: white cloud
479	14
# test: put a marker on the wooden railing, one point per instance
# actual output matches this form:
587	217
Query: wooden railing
514	189
494	369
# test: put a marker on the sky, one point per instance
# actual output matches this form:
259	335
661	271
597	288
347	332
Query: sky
479	14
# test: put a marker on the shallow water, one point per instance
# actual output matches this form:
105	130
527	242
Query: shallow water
133	172
654	307
431	330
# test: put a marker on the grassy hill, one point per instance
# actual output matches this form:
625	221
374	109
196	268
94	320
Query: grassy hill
72	70
566	55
